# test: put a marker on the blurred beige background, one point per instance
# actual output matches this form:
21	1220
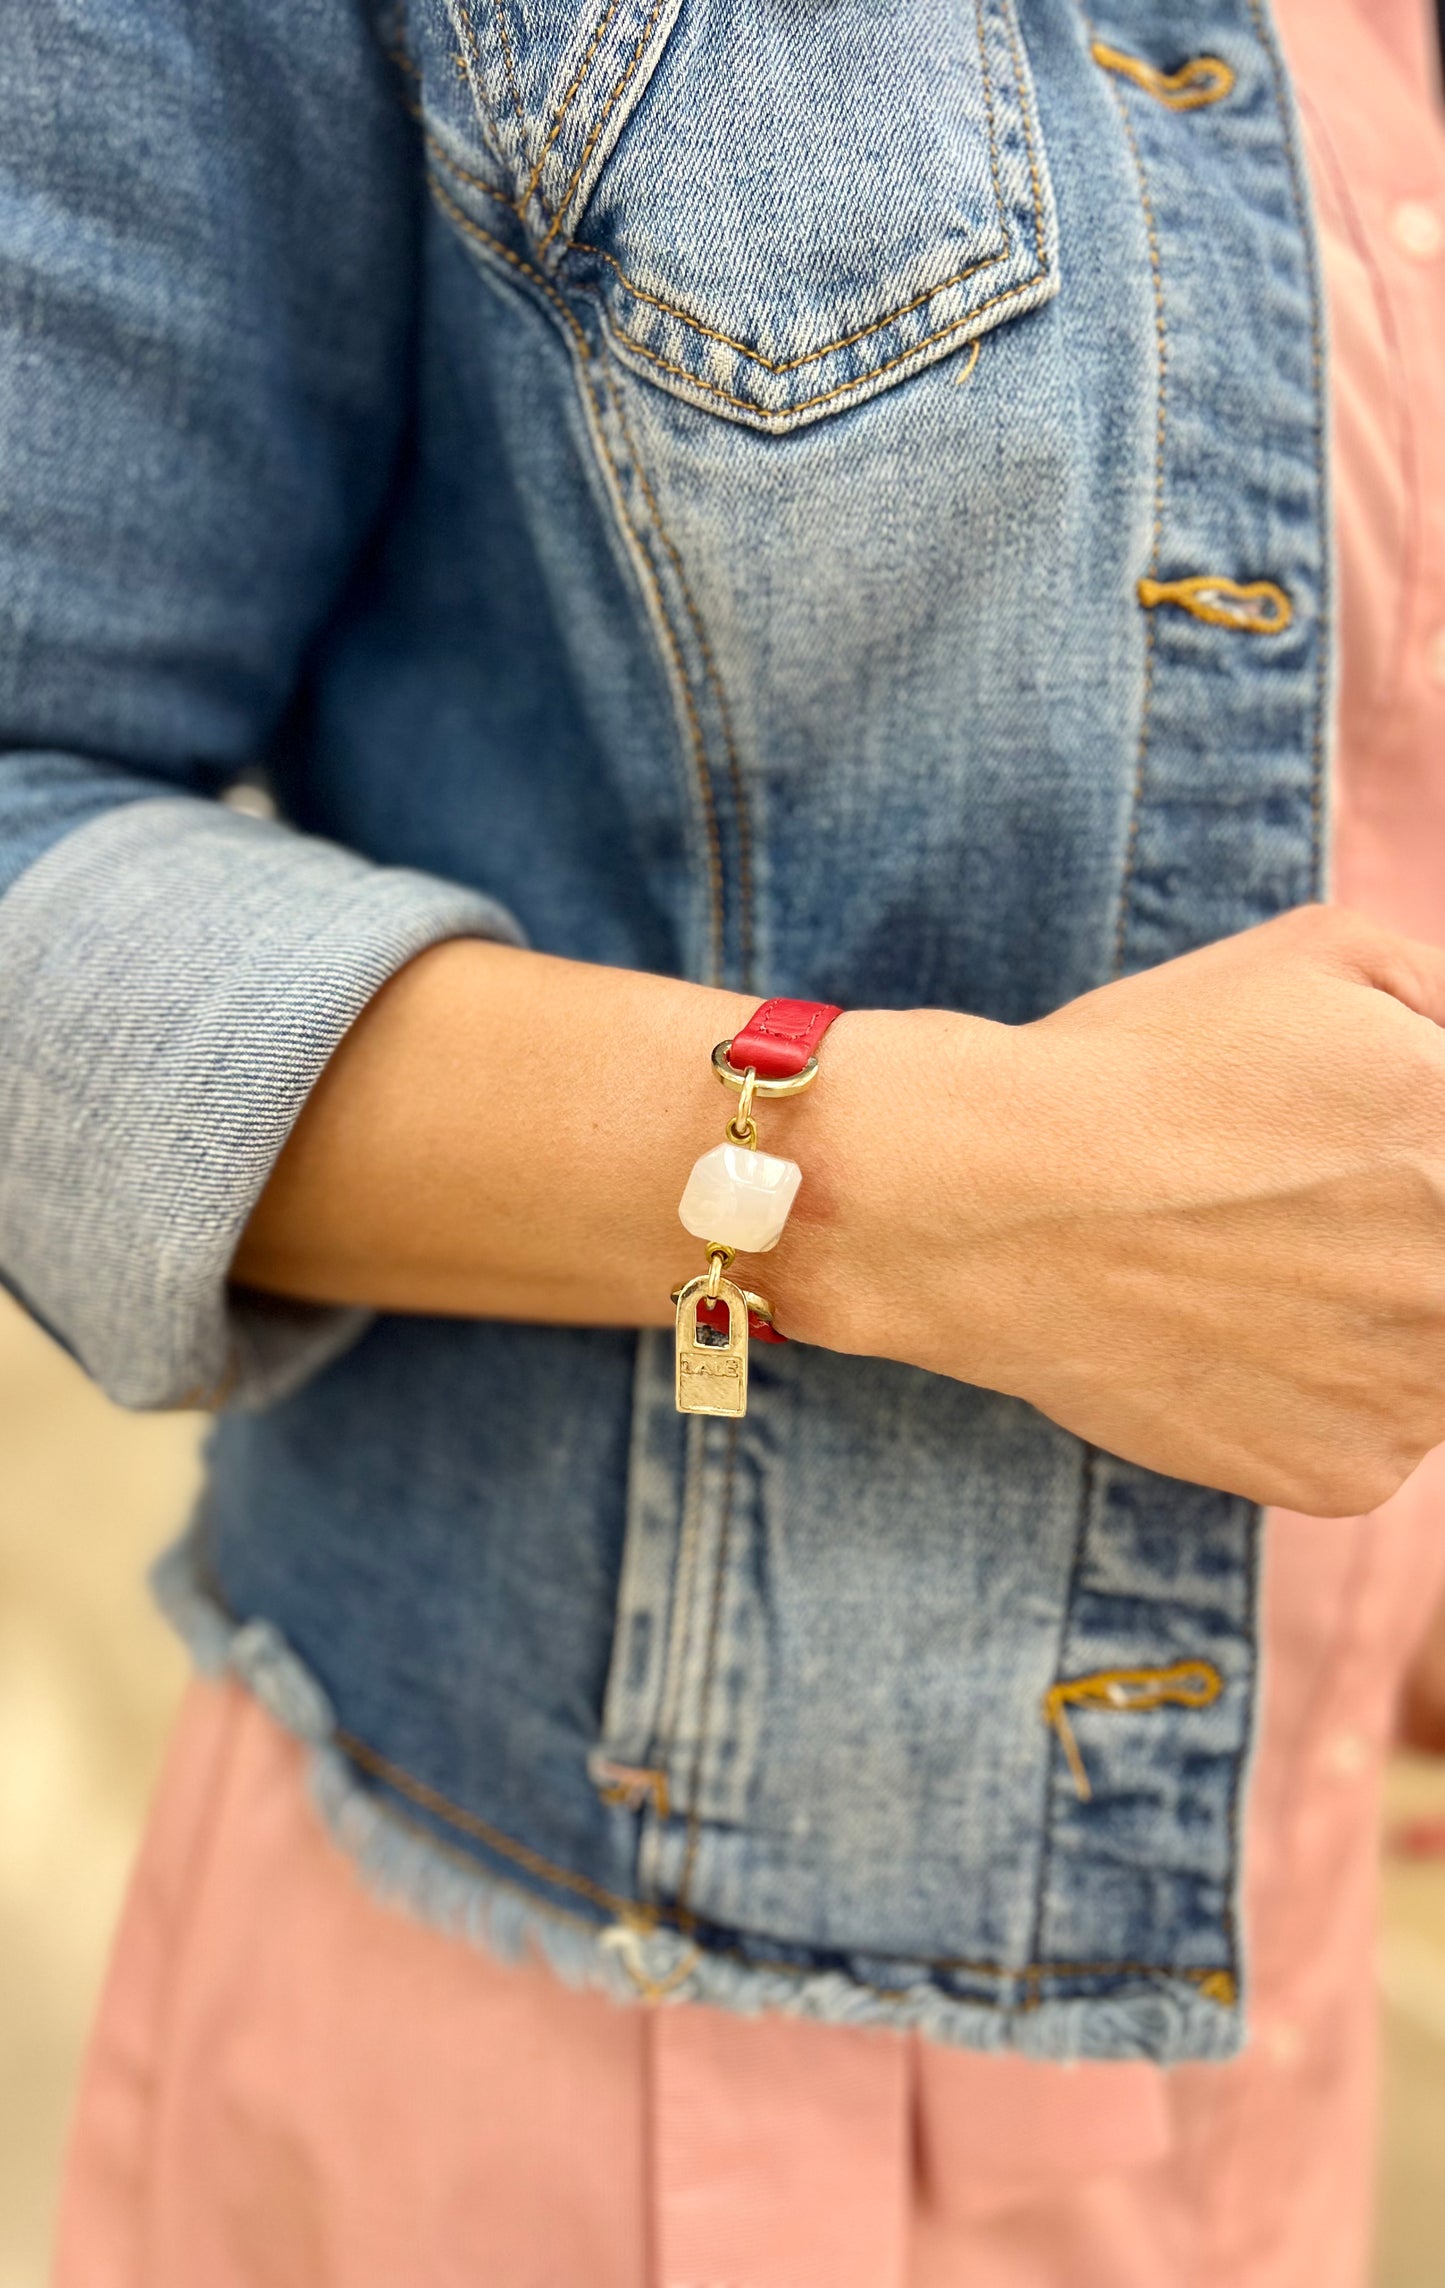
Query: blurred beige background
88	1680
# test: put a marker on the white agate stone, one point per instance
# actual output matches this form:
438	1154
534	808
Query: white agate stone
740	1197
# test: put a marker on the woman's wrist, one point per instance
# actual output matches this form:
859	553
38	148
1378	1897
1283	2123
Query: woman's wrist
508	1135
888	1141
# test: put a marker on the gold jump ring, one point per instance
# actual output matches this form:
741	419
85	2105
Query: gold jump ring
791	1084
742	1128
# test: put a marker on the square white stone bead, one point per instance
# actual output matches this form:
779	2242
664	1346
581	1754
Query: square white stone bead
739	1197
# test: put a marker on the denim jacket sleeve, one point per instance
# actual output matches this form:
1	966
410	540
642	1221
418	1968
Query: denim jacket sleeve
205	300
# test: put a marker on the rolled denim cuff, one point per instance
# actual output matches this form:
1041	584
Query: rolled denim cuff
173	979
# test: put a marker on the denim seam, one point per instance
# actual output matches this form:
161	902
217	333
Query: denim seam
602	118
498	11
716	883
876	325
527	270
470	59
559	116
624	338
681	1617
1303	215
741	808
1156	541
1029	125
474	230
1236	1787
629	341
626	342
755	356
463	174
394	46
1087	1460
718	1599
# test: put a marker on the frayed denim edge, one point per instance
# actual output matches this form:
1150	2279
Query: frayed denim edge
405	1869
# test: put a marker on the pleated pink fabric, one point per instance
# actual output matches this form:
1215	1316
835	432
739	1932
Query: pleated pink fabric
292	2086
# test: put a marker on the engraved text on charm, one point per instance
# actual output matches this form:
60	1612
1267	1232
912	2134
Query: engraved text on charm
712	1366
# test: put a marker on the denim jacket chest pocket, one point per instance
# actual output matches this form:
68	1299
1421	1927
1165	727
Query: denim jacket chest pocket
780	209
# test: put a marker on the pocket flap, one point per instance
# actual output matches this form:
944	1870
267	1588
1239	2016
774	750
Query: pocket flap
807	205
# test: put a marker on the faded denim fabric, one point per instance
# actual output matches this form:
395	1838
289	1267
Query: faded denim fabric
667	484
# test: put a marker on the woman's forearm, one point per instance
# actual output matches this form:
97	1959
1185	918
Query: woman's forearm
507	1135
1197	1217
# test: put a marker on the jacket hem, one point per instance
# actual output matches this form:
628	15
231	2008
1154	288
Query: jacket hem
1166	2019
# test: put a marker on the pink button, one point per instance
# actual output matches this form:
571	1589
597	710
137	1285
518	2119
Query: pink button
1349	1753
1417	230
1284	2042
1435	658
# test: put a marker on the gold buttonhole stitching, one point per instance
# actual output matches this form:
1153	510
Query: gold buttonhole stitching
1203	80
1220	1986
1188	1684
631	1785
1250	607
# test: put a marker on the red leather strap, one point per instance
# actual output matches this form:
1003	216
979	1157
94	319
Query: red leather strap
777	1041
780	1036
716	1315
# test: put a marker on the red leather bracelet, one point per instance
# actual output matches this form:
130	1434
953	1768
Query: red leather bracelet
737	1199
781	1038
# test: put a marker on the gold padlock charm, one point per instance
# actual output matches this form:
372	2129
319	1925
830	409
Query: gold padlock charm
712	1373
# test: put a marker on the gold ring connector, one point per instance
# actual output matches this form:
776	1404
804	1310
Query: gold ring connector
791	1084
742	1128
719	1258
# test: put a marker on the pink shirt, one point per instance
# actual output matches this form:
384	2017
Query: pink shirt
290	2086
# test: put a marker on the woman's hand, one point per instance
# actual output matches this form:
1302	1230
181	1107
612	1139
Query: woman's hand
1197	1217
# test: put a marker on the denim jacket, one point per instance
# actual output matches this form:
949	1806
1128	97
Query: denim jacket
831	501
